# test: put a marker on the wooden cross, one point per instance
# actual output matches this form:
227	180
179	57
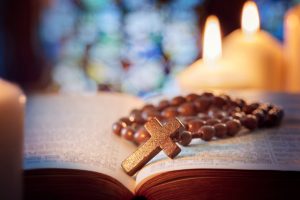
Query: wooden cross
161	139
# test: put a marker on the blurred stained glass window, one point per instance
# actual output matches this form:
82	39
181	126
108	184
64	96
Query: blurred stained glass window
130	46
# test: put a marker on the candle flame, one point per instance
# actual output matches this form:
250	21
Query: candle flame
212	44
250	18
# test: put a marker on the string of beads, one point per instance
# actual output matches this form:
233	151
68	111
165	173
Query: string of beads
204	116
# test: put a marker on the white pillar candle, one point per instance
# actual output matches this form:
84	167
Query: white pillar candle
292	48
213	72
257	51
11	140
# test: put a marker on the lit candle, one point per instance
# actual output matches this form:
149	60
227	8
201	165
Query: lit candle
213	72
11	140
257	50
292	48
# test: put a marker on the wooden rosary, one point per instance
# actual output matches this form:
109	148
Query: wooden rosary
182	119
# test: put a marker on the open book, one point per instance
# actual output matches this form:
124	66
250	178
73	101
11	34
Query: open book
71	153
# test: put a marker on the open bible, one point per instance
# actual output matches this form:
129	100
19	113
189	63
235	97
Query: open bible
71	153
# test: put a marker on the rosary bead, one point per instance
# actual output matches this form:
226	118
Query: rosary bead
212	111
136	116
202	104
219	102
125	121
248	109
188	118
232	110
238	115
185	138
128	133
226	97
141	135
221	130
149	114
195	125
207	132
226	119
233	127
220	115
239	102
148	107
163	104
186	109
274	117
135	126
169	112
203	116
133	111
207	94
191	97
250	122
176	101
260	116
212	121
117	127
266	106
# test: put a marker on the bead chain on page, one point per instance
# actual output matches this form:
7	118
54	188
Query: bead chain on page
204	116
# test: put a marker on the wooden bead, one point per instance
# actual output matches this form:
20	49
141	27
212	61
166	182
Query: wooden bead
163	104
148	107
260	116
221	130
266	106
185	138
136	117
207	94
195	125
219	102
274	117
239	102
117	127
220	115
135	126
212	121
169	112
141	135
202	104
191	97
226	97
186	109
248	109
230	110
149	114
207	132
128	133
238	115
204	117
250	122
233	127
125	121
176	101
226	119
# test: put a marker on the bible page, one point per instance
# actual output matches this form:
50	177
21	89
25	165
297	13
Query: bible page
74	132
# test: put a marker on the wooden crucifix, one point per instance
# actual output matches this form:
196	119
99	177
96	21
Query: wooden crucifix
161	139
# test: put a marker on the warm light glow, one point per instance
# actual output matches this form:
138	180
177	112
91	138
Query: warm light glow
212	44
250	18
22	99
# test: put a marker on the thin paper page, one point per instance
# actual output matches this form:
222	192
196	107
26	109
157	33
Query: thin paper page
65	131
271	149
